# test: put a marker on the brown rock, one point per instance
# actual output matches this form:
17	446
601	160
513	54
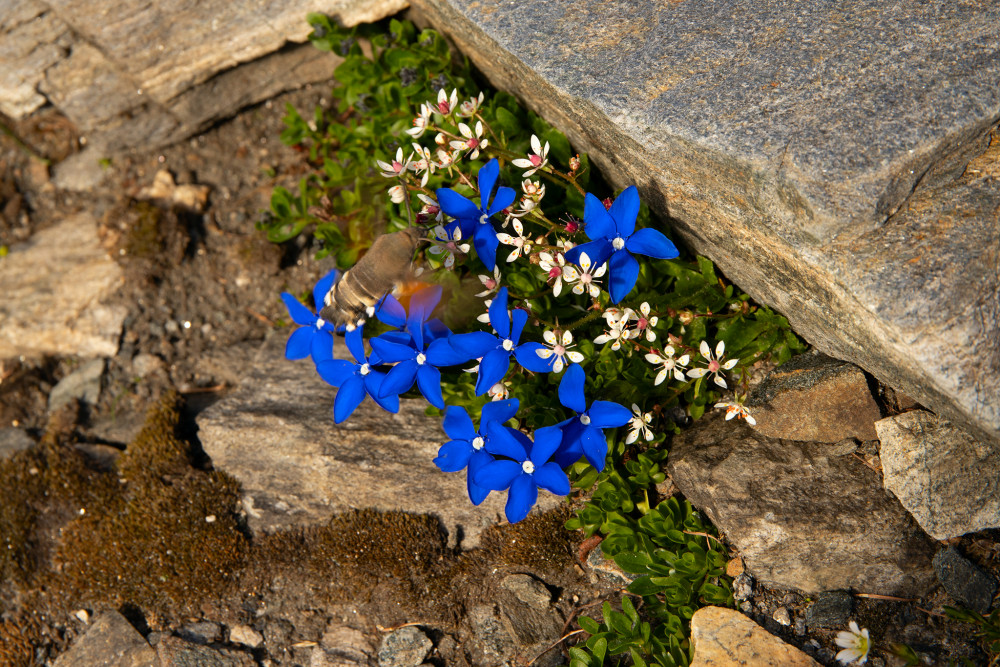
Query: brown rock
815	398
726	638
110	642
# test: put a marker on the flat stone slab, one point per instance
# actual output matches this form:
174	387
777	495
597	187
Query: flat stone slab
276	435
791	143
807	516
948	480
53	287
725	637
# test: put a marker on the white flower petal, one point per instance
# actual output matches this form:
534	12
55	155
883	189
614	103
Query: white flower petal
660	377
574	356
705	350
549	337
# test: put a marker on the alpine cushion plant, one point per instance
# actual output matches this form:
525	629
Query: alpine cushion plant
614	238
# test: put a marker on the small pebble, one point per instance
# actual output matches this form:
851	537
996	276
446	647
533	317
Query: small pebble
83	615
782	616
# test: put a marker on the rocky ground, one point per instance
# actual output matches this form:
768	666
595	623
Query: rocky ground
121	537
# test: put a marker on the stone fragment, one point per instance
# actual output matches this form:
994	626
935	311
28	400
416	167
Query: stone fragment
743	587
493	644
946	478
832	609
276	435
111	641
201	632
802	518
856	220
144	364
606	569
528	590
245	635
167	193
814	398
726	638
53	287
405	647
966	583
346	645
83	384
31	40
175	652
782	616
13	440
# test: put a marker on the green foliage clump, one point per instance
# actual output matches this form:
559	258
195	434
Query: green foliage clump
987	628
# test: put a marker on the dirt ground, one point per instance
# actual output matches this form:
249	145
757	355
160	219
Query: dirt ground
201	292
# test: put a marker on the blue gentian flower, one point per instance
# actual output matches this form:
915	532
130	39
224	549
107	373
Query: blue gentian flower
315	335
354	380
473	220
495	350
584	434
417	359
615	239
522	472
467	447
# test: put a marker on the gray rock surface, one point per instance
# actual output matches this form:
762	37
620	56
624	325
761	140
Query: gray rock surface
146	74
53	287
174	652
83	384
832	609
814	398
276	435
946	478
816	152
111	641
804	516
405	647
966	583
13	440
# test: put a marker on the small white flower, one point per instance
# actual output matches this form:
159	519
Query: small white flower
537	158
470	106
431	209
588	277
736	409
424	164
855	643
421	122
521	243
397	194
491	283
473	141
669	364
445	159
557	270
617	328
499	391
644	323
395	168
485	317
715	365
560	348
639	425
447	246
445	104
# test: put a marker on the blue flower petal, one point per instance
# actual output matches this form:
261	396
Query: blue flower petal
598	251
503	198
454	455
429	382
457	423
398	380
299	344
552	478
526	355
487	179
323	286
390	311
321	347
595	447
570	450
499	317
497	475
652	243
624	210
336	371
605	414
299	313
518	319
520	498
492	369
502	441
391	352
598	223
435	329
355	343
441	353
498	411
486	242
571	389
474	345
373	385
456	205
623	270
480	458
349	396
547	441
